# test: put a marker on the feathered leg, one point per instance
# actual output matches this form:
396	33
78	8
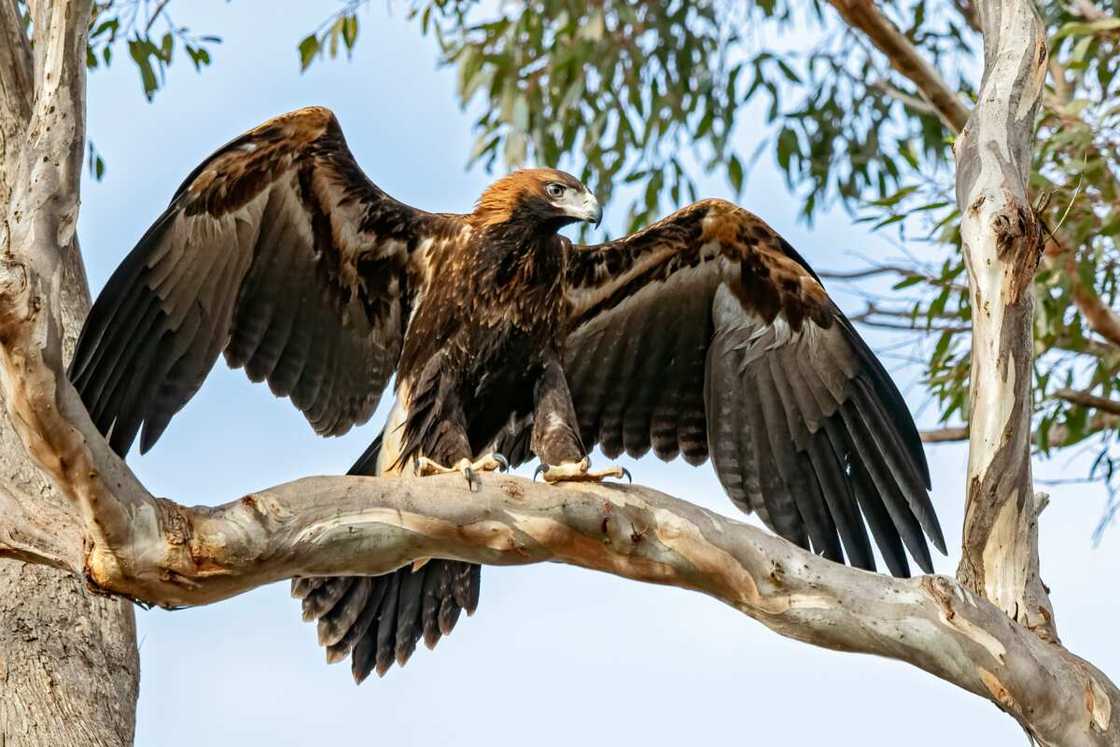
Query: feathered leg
556	439
435	430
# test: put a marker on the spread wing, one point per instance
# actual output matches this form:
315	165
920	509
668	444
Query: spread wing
278	251
707	334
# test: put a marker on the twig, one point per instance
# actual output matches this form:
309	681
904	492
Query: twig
945	435
1089	10
155	15
1087	399
913	102
1058	435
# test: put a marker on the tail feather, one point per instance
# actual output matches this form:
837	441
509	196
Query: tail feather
386	634
378	620
333	627
409	602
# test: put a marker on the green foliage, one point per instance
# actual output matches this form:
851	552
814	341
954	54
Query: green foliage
145	27
339	31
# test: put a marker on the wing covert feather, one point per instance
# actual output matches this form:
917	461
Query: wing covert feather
278	250
706	333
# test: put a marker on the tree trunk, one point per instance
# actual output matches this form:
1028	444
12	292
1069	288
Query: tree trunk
69	668
1002	247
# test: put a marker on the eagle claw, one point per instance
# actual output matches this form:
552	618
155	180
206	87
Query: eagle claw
468	469
580	472
472	479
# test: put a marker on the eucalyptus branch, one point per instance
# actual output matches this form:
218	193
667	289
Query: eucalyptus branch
904	57
948	434
1087	399
1002	241
1058	435
1101	318
913	102
868	317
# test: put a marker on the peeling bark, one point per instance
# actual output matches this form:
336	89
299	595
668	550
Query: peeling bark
1002	247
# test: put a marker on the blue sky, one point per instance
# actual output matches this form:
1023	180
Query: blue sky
554	654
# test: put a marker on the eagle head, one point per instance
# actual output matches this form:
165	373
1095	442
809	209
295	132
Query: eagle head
543	200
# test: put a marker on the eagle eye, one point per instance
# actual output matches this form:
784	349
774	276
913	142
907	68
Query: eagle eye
555	190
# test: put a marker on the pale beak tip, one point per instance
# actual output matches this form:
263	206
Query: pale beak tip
596	216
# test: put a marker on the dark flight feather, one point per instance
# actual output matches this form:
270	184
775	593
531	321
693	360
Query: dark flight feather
804	426
266	252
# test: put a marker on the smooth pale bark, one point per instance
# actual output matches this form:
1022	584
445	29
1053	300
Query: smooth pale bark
69	670
1002	243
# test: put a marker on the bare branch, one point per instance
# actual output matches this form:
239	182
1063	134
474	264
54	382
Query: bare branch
1002	242
174	555
1100	317
155	14
112	530
16	88
913	102
1087	399
967	9
50	695
866	16
868	317
1088	10
869	272
1058	435
16	72
163	552
948	434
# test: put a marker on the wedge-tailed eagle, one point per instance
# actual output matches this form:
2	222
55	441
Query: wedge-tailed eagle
702	335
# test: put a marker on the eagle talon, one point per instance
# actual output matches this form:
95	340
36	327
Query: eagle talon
472	479
580	472
537	472
468	469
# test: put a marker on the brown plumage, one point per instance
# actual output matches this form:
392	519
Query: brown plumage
704	334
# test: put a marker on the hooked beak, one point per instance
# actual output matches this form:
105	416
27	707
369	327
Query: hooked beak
592	210
580	205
